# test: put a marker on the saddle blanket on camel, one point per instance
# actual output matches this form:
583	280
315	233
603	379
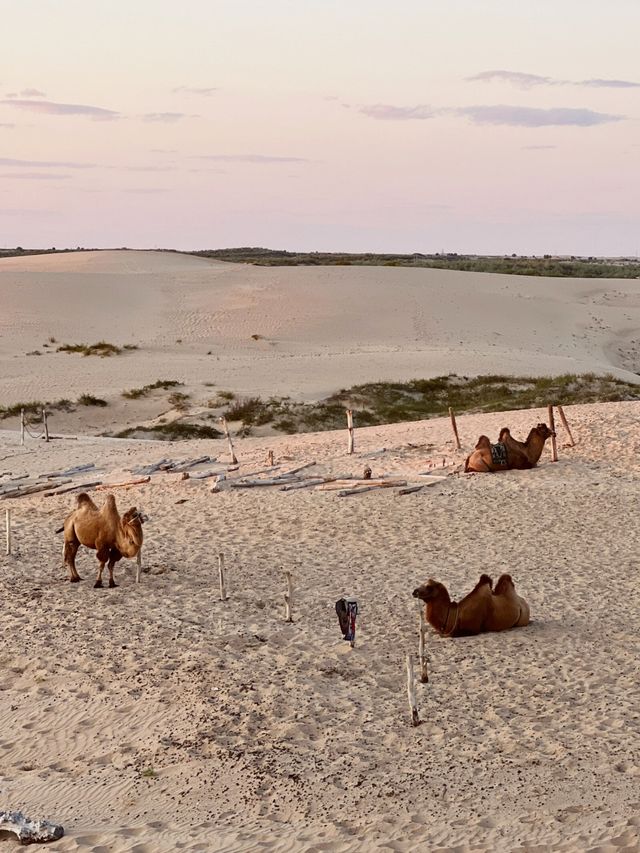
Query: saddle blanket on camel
499	454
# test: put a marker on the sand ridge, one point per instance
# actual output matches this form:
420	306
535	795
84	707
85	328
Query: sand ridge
317	328
155	717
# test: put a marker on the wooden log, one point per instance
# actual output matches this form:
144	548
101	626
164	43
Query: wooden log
350	437
191	463
223	588
254	473
411	693
30	490
333	485
288	598
152	468
252	484
566	426
292	471
123	483
70	472
139	566
552	427
455	428
422	647
73	488
8	524
304	484
411	489
223	421
362	489
45	425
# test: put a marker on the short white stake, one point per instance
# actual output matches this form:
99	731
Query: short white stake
288	598
422	651
223	421
223	588
411	693
350	441
8	521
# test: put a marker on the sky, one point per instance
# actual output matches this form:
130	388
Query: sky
492	127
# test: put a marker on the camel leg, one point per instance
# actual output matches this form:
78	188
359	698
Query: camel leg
69	551
102	555
113	559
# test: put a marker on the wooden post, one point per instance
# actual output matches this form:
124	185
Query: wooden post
223	588
8	522
21	426
138	565
554	443
223	421
45	425
288	598
411	693
422	653
455	428
350	441
566	426
270	458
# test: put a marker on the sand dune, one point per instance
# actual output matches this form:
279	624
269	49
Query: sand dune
156	718
320	328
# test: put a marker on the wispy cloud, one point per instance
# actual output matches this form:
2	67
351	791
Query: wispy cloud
527	81
167	118
145	168
249	158
35	176
609	84
538	147
45	164
388	112
145	190
53	108
515	116
194	90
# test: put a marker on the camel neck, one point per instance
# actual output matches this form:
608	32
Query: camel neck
534	445
441	614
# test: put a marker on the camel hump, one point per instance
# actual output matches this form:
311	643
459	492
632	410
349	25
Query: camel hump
83	500
484	579
483	441
505	584
504	432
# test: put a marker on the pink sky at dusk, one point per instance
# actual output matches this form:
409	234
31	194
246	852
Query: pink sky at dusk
457	126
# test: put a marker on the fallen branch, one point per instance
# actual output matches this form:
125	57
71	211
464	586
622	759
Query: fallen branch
123	484
73	488
362	489
31	490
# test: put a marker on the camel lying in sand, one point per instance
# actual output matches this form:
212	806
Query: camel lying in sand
113	537
508	453
484	609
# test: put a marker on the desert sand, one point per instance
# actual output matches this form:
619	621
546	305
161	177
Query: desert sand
320	328
155	717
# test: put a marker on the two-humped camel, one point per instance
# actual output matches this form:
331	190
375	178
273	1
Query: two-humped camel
508	453
483	609
110	535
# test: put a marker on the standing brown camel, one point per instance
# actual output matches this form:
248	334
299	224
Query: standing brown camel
483	609
508	453
111	536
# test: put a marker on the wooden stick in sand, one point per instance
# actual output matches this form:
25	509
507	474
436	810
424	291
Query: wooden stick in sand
223	588
566	426
8	522
350	439
139	566
223	421
45	425
288	598
422	652
455	428
411	693
21	426
270	458
552	427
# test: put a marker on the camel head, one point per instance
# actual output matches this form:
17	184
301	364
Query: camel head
430	590
544	432
133	515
